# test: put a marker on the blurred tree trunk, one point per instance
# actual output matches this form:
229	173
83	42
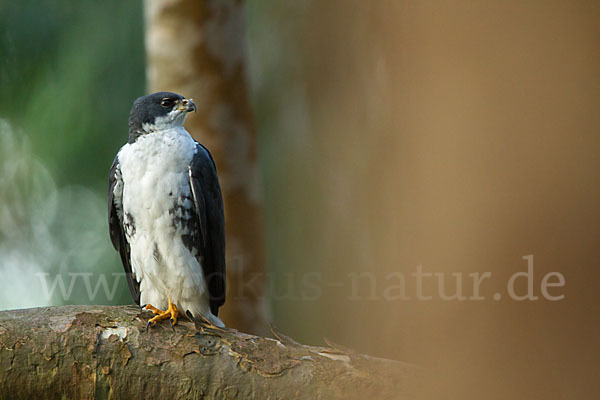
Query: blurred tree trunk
197	49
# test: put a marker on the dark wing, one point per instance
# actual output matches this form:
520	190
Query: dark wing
115	225
208	204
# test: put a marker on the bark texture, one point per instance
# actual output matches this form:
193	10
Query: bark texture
104	352
197	49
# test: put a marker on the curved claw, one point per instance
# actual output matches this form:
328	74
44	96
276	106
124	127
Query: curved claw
171	313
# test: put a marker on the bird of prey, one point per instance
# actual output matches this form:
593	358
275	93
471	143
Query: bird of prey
165	213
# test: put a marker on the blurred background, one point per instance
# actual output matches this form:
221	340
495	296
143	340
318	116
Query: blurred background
453	135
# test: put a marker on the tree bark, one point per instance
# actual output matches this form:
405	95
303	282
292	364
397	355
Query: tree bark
104	352
197	49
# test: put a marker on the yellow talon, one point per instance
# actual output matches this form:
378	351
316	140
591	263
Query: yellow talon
155	310
172	313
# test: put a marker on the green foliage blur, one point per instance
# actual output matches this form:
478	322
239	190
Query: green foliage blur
68	74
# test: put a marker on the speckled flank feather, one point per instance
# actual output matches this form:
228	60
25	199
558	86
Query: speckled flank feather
159	218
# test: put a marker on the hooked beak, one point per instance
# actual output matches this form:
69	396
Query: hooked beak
186	105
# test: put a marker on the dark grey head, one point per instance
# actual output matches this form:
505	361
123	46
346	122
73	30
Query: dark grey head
158	111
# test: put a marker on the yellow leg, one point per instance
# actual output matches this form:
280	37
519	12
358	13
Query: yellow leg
172	313
155	310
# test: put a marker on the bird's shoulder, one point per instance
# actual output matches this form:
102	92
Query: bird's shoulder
202	157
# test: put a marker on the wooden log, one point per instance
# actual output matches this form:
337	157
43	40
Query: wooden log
103	352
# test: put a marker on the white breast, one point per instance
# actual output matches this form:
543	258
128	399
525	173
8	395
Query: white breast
155	176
